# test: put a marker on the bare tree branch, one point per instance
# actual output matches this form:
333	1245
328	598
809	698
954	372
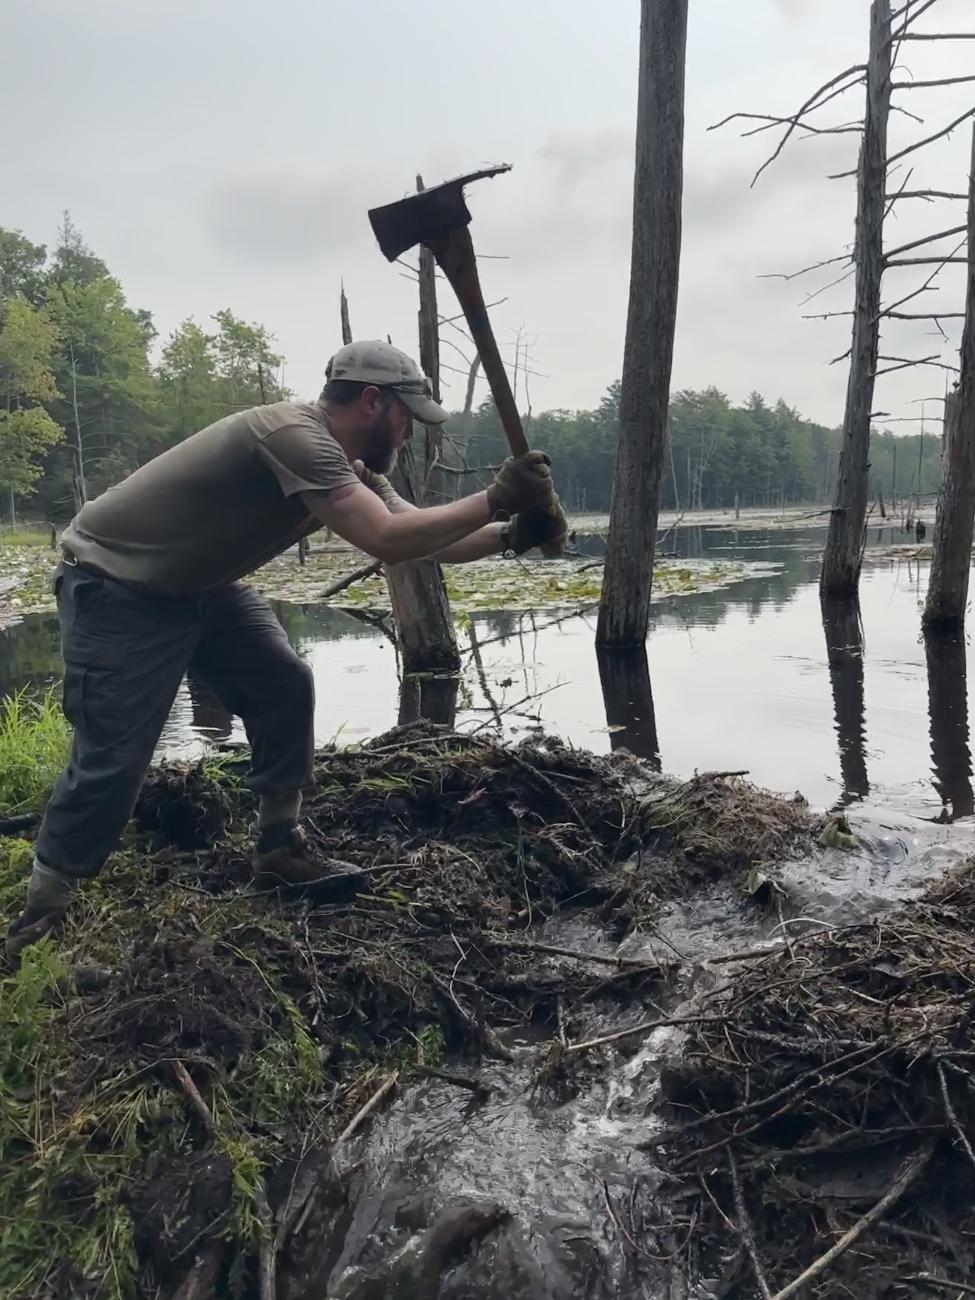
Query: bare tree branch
896	108
925	287
924	315
926	261
926	194
904	362
794	275
919	144
891	199
923	85
769	120
816	100
938	36
826	287
911	17
926	239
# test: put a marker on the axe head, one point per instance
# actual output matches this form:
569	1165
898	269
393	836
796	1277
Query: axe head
431	214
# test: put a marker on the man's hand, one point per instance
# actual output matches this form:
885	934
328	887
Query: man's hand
523	483
528	530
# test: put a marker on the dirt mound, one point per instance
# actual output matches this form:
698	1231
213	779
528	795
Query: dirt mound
826	1111
174	1066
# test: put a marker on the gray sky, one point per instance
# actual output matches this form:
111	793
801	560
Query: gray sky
224	154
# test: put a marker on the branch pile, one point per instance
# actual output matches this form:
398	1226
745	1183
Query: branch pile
825	1108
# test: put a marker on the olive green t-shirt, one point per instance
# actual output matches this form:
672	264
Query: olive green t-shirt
215	507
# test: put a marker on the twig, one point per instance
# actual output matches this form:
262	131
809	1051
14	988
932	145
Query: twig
620	963
926	239
367	571
909	1173
267	1248
193	1095
745	1228
952	1117
941	1283
361	1115
458	1080
857	70
645	1027
919	144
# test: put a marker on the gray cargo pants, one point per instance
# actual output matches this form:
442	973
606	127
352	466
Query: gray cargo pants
125	653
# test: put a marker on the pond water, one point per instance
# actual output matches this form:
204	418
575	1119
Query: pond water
740	678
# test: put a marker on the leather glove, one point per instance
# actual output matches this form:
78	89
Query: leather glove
528	530
49	893
379	484
522	483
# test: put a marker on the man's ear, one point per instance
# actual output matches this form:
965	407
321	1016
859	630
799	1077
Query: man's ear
371	400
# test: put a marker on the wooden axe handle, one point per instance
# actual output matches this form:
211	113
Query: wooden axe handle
455	257
454	254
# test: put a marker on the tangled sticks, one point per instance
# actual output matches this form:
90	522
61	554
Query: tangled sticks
829	1108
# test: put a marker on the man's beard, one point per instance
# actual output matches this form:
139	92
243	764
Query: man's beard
379	453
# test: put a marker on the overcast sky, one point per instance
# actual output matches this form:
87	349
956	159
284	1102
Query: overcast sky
224	154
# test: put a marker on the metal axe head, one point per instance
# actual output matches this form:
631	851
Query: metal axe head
431	214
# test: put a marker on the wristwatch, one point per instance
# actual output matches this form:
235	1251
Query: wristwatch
506	552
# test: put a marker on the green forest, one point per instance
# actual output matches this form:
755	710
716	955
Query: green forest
89	391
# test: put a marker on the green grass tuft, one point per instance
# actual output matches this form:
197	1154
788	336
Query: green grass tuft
34	741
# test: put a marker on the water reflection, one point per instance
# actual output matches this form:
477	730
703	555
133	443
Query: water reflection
628	699
951	756
431	698
843	629
209	714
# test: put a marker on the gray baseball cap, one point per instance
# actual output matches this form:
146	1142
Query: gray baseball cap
375	362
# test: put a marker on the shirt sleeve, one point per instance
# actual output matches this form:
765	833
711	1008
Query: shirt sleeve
304	458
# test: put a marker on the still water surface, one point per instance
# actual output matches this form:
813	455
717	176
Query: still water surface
741	678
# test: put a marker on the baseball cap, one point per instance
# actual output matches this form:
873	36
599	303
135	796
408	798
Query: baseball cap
375	362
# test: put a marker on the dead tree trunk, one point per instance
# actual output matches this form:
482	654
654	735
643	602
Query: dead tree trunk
844	543
417	591
944	609
624	609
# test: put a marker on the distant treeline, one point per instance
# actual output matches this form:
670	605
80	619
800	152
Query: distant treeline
718	453
87	393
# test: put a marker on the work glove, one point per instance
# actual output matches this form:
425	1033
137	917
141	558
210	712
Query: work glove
379	484
525	531
49	894
523	483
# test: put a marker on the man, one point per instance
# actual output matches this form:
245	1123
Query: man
149	587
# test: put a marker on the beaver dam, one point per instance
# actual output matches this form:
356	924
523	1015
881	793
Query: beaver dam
492	1074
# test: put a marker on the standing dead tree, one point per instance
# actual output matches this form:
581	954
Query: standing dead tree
841	561
944	609
417	591
868	260
624	608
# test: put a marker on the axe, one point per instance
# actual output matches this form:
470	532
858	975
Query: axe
439	218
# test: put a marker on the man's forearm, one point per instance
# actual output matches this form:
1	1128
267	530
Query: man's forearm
478	546
416	534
